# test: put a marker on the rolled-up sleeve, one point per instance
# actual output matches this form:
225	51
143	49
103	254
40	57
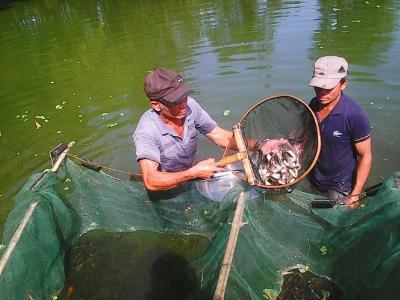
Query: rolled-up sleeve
361	127
146	146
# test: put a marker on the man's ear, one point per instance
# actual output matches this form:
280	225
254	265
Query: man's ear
155	105
343	84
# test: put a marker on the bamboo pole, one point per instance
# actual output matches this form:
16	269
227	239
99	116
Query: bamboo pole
28	214
16	236
230	249
242	148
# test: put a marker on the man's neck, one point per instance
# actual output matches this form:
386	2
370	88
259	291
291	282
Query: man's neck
329	106
173	123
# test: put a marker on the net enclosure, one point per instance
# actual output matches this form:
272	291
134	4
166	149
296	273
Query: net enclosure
279	117
287	249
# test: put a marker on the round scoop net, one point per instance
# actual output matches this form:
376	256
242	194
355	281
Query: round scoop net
279	117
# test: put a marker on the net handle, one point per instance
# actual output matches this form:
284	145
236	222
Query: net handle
231	159
239	156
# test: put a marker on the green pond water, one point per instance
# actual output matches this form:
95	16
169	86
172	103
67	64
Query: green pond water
74	70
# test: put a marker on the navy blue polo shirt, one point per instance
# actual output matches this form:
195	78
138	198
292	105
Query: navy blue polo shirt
156	141
345	125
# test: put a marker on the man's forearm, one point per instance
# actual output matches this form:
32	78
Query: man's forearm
363	169
167	180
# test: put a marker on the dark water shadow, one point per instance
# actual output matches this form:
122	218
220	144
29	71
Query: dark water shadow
4	4
171	279
138	265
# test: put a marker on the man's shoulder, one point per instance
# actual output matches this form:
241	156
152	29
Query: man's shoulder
353	107
147	121
192	103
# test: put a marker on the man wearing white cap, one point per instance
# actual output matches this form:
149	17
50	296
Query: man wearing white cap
346	156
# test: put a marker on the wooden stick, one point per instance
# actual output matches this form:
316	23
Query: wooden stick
231	159
16	236
60	159
242	148
230	249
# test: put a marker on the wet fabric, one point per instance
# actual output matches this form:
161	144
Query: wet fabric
286	249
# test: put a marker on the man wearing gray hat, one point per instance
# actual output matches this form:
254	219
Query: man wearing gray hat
166	137
346	156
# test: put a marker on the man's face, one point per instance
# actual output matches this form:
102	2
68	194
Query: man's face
177	111
326	96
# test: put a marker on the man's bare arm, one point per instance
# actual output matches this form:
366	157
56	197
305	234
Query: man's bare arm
364	163
220	136
157	180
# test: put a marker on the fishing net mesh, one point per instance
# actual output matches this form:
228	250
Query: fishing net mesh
287	249
280	117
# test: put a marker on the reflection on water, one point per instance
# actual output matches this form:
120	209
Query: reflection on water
139	265
76	68
358	30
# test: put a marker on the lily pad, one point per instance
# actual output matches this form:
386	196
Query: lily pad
227	112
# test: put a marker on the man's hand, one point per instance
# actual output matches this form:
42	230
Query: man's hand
269	146
353	201
205	169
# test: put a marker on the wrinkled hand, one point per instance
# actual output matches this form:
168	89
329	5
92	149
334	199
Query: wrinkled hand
271	145
206	168
353	201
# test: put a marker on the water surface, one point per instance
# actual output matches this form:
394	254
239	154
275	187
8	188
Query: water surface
74	70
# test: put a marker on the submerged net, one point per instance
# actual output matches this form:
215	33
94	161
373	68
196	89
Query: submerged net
288	250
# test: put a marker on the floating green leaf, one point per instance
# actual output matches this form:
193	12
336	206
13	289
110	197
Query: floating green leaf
323	250
304	268
269	294
111	125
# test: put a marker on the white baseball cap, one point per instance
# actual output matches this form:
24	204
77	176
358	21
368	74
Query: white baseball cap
328	71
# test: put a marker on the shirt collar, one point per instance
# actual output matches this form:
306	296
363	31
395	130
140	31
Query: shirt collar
164	129
339	107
